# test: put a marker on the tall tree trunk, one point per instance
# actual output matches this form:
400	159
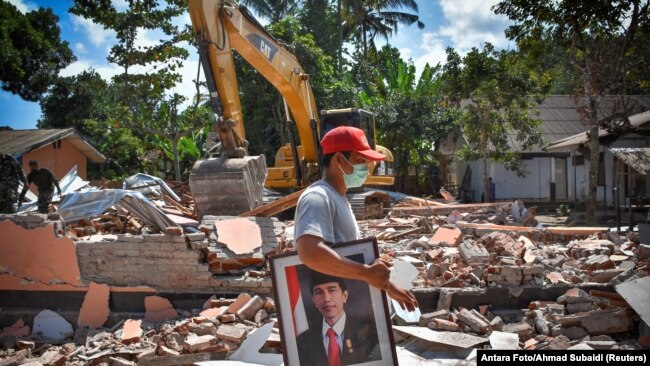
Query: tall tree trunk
593	172
340	27
365	45
177	167
484	152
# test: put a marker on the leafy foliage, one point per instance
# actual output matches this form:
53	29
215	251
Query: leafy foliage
496	94
32	53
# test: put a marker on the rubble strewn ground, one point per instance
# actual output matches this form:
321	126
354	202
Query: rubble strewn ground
456	250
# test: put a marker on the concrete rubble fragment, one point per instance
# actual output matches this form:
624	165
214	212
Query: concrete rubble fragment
52	326
94	310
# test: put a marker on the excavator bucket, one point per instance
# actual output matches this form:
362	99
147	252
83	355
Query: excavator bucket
223	186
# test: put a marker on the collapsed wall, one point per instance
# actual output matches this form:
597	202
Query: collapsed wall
37	257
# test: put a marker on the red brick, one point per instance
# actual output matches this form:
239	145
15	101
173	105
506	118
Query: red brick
197	344
214	312
441	324
242	299
173	230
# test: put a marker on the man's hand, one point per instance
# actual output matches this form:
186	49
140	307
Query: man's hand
405	298
378	274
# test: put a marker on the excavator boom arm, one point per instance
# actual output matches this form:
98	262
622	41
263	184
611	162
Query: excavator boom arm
219	29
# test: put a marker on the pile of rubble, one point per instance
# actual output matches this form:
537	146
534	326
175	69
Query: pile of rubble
577	320
450	257
215	332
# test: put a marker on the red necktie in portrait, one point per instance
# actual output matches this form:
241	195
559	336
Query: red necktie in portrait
333	354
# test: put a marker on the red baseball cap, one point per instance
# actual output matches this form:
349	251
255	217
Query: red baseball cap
346	138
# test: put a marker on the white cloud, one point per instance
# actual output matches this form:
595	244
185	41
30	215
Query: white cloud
22	6
471	23
96	33
434	51
106	71
80	48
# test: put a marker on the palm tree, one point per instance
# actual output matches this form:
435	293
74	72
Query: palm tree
273	10
367	19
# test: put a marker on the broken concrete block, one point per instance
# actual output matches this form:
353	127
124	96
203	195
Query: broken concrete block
175	341
443	324
269	305
214	313
166	351
573	333
197	344
540	323
580	307
52	326
228	318
231	333
52	358
496	323
22	344
131	331
601	261
241	300
443	235
15	359
573	295
248	311
602	345
524	330
260	316
173	230
94	310
426	318
202	329
444	300
557	343
474	253
159	309
504	341
475	322
606	322
643	251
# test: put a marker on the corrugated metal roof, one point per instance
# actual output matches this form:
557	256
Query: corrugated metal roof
16	142
636	157
561	120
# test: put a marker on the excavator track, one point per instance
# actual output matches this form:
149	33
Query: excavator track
369	205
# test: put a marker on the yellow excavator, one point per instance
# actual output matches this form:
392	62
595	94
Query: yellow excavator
233	182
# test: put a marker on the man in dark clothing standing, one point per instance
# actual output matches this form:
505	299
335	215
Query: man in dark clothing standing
45	182
11	174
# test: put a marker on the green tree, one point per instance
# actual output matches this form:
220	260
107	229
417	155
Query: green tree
32	53
603	44
274	10
410	118
496	93
72	100
173	127
367	19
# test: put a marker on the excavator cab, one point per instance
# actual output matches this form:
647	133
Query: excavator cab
382	172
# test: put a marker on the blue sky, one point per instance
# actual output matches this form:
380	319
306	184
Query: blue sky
461	24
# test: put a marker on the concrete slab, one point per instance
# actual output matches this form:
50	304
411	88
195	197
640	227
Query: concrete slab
506	341
52	326
249	351
637	294
239	235
454	340
403	273
94	310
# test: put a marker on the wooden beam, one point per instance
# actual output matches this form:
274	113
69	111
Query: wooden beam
276	206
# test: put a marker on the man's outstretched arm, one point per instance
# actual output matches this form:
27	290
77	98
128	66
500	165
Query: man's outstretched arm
318	256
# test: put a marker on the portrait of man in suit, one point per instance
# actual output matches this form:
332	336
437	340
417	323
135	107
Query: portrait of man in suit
336	338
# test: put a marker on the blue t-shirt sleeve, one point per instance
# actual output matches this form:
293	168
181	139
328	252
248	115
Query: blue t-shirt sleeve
314	217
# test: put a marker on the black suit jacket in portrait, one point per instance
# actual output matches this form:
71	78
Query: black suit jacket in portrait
361	336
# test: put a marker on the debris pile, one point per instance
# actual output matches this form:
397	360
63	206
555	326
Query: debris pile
576	320
214	332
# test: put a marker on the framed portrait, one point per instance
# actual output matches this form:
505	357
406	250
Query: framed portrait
323	316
